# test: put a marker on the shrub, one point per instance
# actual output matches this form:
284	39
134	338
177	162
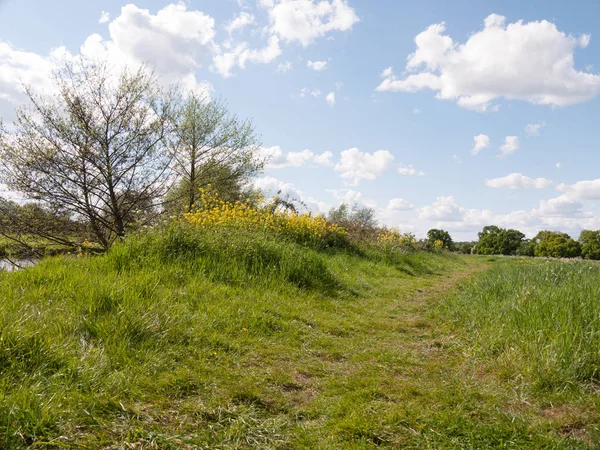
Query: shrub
499	241
257	215
590	244
557	245
391	240
359	221
438	239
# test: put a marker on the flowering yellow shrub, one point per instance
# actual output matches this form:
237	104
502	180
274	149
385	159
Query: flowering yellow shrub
392	238
257	214
438	245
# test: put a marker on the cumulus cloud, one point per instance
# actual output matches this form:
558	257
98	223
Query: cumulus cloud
533	129
557	165
284	67
399	204
481	141
312	92
270	185
530	61
18	67
561	206
443	209
104	17
355	165
304	21
174	42
239	22
582	190
347	196
278	159
330	99
519	181
316	65
409	170
241	55
511	145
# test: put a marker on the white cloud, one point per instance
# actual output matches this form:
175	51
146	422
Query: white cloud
330	99
481	141
304	21
104	17
530	61
582	190
399	204
313	92
519	181
557	165
241	21
316	65
533	129
387	73
416	111
284	67
241	55
443	209
409	170
561	206
278	159
356	165
174	42
18	67
270	185
511	145
347	196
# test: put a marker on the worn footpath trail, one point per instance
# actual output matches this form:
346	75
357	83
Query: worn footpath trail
377	368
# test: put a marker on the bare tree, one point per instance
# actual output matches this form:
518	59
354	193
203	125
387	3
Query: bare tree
212	146
96	150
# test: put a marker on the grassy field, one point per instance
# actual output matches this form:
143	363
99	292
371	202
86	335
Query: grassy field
221	340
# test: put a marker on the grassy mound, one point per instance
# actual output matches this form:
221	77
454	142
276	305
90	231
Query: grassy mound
92	349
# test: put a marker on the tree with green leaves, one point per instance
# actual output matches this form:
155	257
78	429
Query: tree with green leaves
556	245
494	240
360	221
442	236
211	146
95	150
590	244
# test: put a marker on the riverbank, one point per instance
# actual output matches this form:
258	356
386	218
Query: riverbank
163	343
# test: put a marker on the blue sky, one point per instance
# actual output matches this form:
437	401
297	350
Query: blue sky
401	141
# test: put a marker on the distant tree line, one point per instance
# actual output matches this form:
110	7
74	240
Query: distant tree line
494	240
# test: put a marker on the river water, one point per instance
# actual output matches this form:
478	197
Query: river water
10	266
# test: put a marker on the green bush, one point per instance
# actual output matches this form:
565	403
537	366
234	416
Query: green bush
556	245
590	244
498	241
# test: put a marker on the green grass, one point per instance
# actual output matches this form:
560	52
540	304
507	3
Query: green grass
539	320
182	340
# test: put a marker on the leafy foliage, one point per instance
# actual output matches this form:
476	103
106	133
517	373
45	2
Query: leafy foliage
439	239
590	244
556	244
250	214
499	241
359	221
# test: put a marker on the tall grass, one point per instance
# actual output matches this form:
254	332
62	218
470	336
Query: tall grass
161	317
536	320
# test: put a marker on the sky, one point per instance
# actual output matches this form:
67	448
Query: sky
436	114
